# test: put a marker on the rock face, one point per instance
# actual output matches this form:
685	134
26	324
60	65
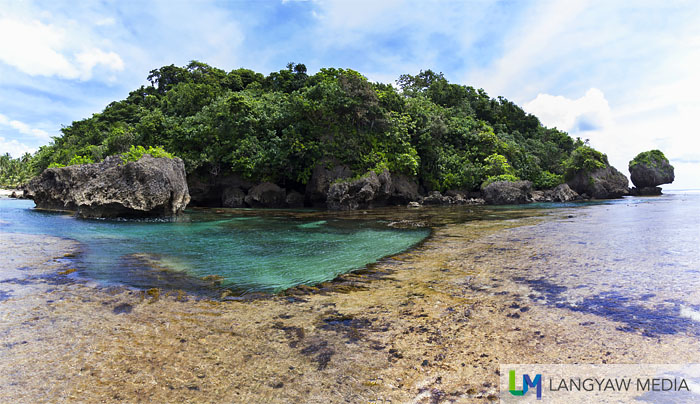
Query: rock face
355	194
294	199
323	175
650	169
210	190
372	190
149	187
233	197
508	193
266	195
602	183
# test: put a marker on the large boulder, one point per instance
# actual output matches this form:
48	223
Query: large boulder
266	195
324	174
508	192
149	187
650	169
601	183
564	193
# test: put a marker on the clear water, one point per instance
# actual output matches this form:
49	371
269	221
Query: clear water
249	253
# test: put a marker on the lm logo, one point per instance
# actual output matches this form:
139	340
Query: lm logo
527	383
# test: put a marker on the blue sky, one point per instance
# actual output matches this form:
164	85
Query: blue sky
622	74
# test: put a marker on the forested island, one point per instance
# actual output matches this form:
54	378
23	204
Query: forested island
314	140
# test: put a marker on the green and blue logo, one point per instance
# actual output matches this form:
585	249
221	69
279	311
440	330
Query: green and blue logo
527	383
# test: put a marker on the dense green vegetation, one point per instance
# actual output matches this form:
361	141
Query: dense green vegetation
584	158
278	127
651	158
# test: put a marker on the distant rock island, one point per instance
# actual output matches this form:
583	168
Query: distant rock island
649	170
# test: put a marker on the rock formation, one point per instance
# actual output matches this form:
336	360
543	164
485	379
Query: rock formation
601	183
648	170
508	193
149	187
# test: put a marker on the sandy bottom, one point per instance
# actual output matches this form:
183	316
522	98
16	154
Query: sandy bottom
433	328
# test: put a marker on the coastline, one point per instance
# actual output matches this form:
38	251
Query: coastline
434	327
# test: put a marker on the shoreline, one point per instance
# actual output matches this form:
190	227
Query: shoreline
434	328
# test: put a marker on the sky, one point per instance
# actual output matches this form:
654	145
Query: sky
624	75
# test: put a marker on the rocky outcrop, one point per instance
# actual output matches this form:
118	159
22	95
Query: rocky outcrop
650	169
149	187
372	190
324	174
360	193
601	183
508	193
562	193
266	195
233	197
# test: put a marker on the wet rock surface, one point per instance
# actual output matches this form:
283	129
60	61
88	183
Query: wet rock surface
149	187
602	183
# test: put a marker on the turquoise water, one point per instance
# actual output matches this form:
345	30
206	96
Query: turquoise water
249	253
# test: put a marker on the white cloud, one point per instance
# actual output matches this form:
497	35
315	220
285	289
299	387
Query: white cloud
40	49
24	129
589	112
15	148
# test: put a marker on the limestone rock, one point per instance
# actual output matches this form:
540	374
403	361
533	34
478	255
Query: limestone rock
149	187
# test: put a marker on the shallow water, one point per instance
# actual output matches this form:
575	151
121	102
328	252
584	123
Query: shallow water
248	253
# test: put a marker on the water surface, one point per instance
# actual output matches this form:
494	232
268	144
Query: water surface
247	253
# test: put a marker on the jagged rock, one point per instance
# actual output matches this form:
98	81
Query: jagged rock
541	196
324	174
508	193
350	195
233	198
650	169
435	198
564	193
266	195
602	183
295	199
149	187
414	204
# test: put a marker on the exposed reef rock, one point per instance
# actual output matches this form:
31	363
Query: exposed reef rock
508	193
601	183
650	169
149	187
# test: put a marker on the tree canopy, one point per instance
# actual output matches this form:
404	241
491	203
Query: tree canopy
278	127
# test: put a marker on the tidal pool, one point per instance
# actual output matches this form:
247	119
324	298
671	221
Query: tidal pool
206	251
